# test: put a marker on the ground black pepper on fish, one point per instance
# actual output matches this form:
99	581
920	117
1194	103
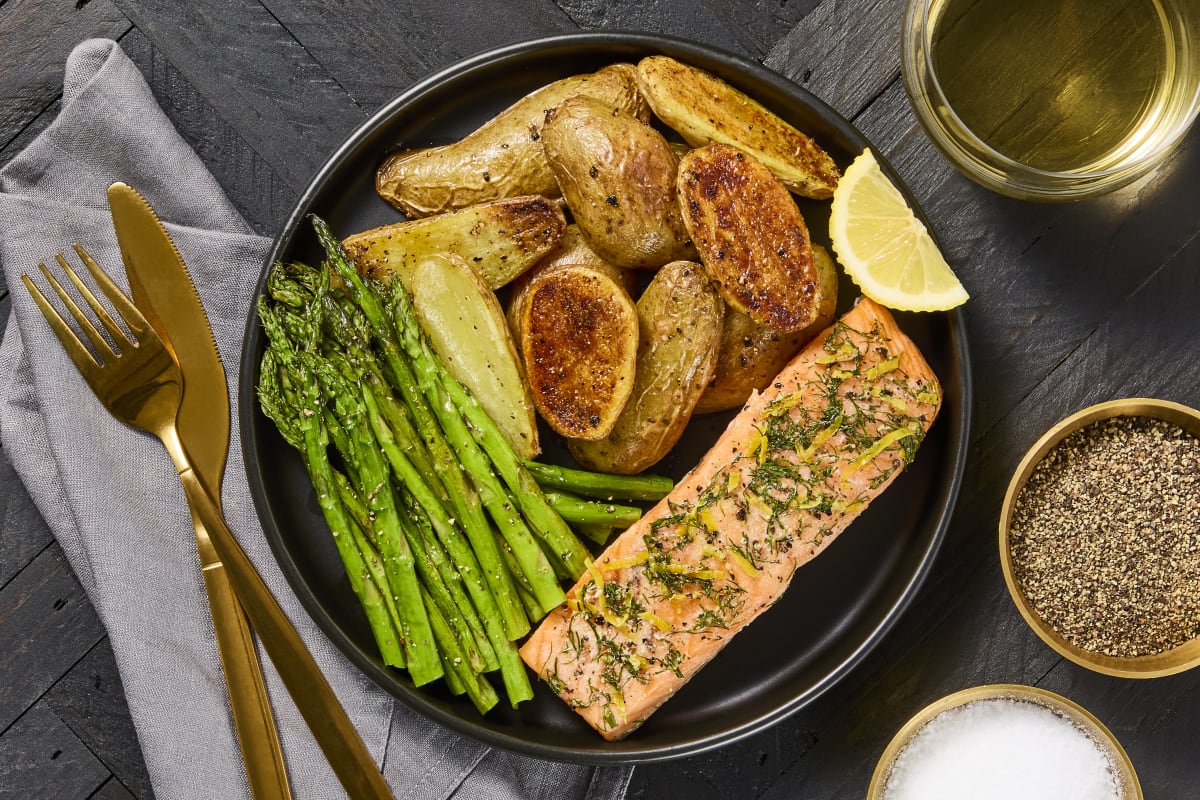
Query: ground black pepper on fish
1105	537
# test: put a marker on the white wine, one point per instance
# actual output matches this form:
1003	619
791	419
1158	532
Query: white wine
1083	87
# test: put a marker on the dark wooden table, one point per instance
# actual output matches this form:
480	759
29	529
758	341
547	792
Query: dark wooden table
1070	305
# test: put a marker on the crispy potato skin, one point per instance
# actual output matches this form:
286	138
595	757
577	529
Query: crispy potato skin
703	109
577	333
617	175
751	354
499	239
679	317
503	157
750	235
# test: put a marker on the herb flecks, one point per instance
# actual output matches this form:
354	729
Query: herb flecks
822	447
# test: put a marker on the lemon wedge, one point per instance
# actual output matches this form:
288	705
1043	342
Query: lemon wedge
884	248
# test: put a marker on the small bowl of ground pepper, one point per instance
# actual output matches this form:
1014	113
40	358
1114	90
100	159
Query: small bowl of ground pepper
1100	538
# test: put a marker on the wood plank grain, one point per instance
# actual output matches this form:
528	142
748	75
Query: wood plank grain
254	74
262	196
377	48
748	27
40	757
23	533
113	789
90	701
46	626
35	37
845	51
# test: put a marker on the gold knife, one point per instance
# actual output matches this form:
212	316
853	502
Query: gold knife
156	276
159	281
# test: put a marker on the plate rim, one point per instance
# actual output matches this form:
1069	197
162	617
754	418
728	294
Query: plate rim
250	417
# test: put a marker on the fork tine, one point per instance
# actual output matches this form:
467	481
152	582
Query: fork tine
110	325
85	362
85	323
124	306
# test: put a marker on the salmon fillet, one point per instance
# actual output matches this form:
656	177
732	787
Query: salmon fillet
798	464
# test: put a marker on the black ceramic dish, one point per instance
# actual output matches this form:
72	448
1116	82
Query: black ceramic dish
836	609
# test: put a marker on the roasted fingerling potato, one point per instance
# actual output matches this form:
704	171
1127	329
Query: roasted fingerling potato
617	175
503	157
751	237
752	354
703	109
577	333
500	239
467	328
679	318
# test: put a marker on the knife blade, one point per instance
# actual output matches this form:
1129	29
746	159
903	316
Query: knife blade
163	290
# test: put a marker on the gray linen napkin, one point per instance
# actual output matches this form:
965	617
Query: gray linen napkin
111	497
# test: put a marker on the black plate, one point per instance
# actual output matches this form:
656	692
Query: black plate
836	609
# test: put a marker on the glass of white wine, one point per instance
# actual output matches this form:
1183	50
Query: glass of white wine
1053	99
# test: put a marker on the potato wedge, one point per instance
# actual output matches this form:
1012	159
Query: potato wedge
503	157
577	333
466	327
750	235
703	109
617	175
499	239
679	319
752	354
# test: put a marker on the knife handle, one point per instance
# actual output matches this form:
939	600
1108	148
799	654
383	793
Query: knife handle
312	694
253	720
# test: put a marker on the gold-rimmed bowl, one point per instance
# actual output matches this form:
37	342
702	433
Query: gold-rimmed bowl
1177	659
1123	770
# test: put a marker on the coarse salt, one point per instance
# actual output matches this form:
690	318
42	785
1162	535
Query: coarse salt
1001	749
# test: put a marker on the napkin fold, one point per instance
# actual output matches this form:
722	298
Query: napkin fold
111	497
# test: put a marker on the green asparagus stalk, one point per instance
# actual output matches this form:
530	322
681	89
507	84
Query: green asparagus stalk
457	673
542	519
420	651
532	561
598	484
315	451
462	494
512	671
577	510
437	575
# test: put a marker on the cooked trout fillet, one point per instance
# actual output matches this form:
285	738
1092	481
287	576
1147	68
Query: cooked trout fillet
792	470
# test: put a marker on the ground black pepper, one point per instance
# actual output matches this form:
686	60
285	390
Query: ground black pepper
1105	537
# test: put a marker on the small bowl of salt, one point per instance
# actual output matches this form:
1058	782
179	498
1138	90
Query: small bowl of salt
1001	742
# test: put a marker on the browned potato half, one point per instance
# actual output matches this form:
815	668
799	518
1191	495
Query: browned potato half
702	109
752	354
577	333
503	157
466	327
617	175
679	317
750	235
499	239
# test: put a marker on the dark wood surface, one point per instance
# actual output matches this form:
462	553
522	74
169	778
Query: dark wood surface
1070	305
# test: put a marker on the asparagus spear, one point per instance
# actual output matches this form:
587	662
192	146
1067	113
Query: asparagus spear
541	516
308	430
420	652
462	494
576	509
598	484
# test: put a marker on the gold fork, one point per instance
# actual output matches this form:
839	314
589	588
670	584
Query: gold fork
140	384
